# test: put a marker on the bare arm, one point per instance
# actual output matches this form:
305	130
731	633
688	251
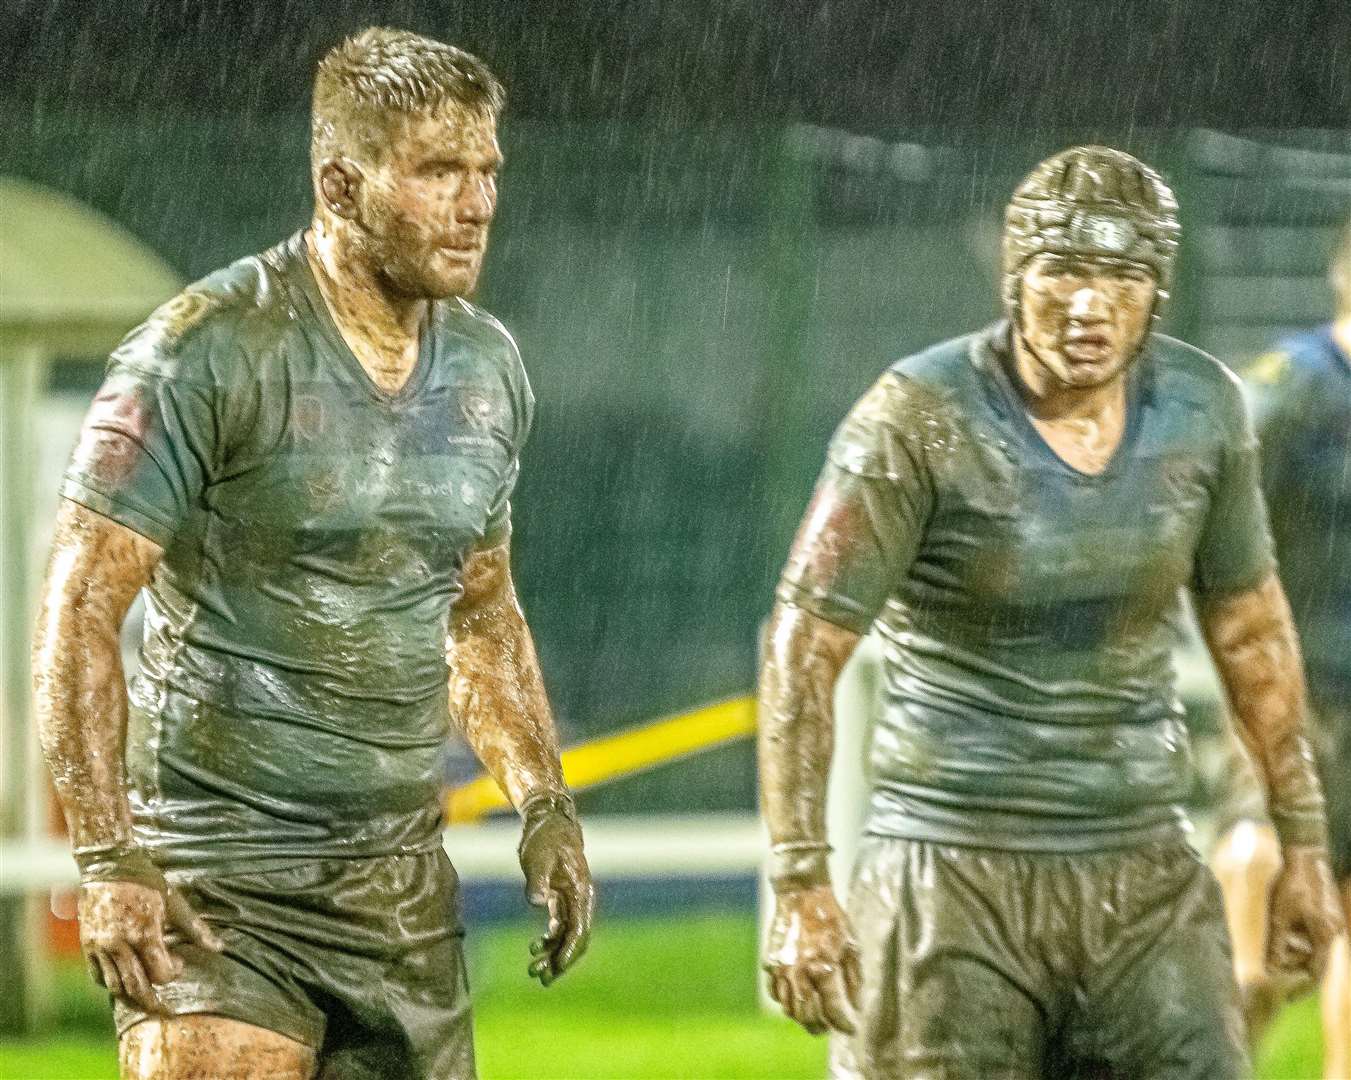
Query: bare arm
857	540
96	569
497	700
497	696
1252	639
803	658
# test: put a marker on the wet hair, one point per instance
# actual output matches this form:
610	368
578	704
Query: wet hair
376	77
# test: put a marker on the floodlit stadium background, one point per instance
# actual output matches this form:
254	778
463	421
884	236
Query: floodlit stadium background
696	309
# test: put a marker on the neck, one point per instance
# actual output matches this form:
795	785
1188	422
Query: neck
1047	399
361	303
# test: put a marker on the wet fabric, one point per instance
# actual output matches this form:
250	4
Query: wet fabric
1301	397
1027	610
359	958
987	964
292	699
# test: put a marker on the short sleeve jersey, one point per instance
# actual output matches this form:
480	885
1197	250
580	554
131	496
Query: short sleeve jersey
1301	396
1028	609
292	698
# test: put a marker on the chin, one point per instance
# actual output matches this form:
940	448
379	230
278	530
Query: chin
446	286
1087	375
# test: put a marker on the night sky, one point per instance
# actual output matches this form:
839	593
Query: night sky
863	64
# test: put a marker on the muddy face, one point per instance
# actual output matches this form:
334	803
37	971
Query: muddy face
427	204
1083	319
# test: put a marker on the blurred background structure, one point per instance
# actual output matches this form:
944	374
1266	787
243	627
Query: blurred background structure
719	222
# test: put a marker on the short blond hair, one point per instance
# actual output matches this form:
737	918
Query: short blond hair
381	74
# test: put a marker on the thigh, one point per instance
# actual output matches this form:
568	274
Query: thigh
1163	1003
948	992
406	1013
204	1047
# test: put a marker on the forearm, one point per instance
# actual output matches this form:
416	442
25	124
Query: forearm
1252	639
79	686
497	699
803	657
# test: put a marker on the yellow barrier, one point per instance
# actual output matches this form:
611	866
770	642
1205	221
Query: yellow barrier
616	756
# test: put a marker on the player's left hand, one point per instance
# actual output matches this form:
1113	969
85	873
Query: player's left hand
1305	914
557	878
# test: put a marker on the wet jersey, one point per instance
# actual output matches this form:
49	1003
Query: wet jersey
1026	608
292	698
1302	405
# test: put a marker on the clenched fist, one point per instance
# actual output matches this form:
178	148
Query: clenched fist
812	961
1305	913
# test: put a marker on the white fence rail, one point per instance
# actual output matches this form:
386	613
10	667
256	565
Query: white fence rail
617	847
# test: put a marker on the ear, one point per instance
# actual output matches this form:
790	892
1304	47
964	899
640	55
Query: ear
340	181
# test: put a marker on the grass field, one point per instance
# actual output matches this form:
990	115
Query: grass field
654	999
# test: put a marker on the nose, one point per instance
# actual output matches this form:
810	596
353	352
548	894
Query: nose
1088	304
478	199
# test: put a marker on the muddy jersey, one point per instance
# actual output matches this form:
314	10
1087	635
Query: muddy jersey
1302	405
1027	608
292	699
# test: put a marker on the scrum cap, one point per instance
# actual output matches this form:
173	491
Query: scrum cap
1091	201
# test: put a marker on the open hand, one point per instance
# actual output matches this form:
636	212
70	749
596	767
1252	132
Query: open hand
558	879
122	933
812	961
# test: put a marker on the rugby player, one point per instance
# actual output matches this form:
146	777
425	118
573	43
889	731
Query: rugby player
306	461
1018	511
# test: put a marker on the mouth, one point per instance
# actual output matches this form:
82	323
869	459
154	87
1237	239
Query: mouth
460	252
1087	346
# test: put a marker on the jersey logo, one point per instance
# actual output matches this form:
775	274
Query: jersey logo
476	408
176	317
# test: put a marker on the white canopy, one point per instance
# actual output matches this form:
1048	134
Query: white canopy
71	280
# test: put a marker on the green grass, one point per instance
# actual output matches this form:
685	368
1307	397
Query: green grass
653	999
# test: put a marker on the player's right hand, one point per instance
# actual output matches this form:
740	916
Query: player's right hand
812	961
122	934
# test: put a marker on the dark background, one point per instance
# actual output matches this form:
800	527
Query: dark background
864	64
719	222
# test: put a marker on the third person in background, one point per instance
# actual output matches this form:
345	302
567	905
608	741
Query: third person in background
1301	395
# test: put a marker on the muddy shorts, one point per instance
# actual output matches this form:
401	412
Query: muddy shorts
992	965
359	958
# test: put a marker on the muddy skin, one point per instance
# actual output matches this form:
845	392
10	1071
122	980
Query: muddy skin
387	236
125	906
1081	324
204	1047
497	700
811	961
1252	639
